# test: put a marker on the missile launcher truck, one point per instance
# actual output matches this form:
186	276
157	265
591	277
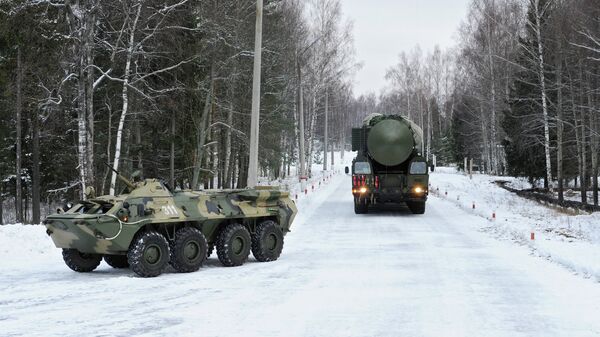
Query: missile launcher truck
389	166
151	226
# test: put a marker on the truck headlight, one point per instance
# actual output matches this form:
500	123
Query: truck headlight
418	190
363	190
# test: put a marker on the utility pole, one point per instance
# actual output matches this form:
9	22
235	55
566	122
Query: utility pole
326	136
254	125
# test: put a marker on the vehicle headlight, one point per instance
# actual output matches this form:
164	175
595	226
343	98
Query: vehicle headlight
418	190
363	190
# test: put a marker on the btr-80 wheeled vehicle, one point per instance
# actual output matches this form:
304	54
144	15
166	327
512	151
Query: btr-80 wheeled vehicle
151	226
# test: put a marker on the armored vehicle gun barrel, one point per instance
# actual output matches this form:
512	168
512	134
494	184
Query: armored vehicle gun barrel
126	181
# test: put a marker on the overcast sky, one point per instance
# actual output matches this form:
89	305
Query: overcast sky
384	28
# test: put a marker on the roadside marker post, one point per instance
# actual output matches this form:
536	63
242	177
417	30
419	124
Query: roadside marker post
473	204
493	215
532	237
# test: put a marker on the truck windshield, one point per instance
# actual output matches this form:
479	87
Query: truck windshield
418	167
362	168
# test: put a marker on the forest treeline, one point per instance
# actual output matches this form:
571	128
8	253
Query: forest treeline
519	94
163	87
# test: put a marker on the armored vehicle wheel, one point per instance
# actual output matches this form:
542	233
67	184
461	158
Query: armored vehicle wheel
233	245
188	250
267	241
148	254
210	250
117	261
416	207
81	262
360	206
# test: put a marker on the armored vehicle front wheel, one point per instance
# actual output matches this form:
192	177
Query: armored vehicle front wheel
188	250
267	241
416	207
148	254
360	206
81	262
116	261
233	245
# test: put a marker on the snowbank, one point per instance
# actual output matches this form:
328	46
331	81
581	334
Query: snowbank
20	243
568	237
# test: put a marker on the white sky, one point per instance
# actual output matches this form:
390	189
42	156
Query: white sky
384	28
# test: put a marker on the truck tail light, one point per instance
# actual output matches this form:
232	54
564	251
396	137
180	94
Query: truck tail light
377	182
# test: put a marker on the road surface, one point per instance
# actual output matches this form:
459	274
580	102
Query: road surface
389	273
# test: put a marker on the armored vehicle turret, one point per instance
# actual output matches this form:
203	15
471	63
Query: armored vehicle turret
151	226
389	166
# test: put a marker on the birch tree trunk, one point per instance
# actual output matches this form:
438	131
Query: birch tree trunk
125	97
542	78
88	49
559	130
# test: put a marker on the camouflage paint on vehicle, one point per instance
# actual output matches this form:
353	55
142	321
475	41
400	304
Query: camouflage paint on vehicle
108	224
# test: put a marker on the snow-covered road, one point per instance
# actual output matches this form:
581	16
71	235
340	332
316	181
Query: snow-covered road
382	274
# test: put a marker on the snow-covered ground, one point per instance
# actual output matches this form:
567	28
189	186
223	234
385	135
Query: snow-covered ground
387	273
567	237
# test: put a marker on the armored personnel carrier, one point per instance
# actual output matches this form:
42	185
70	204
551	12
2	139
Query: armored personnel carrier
151	226
389	166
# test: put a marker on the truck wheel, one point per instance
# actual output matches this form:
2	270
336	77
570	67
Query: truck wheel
149	254
188	250
416	207
116	261
233	245
81	262
360	206
267	241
